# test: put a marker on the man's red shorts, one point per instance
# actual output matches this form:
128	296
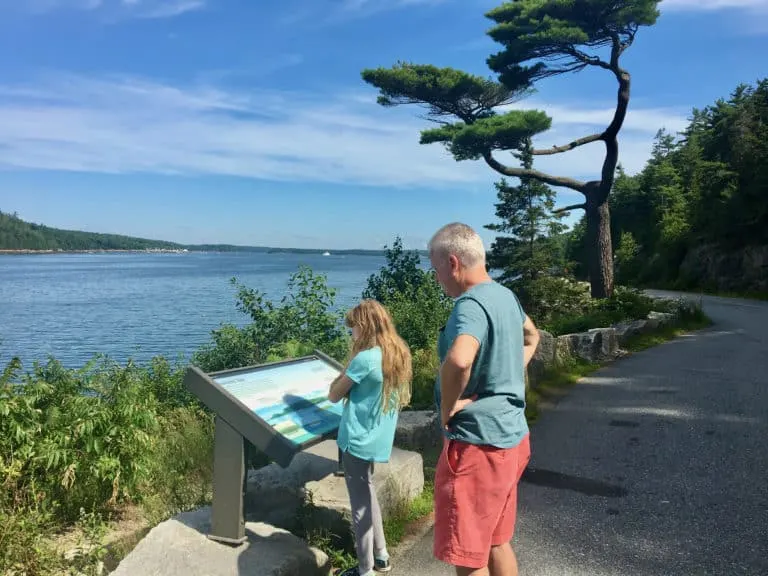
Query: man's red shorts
476	500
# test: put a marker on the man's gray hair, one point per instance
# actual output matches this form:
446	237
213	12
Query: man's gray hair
461	241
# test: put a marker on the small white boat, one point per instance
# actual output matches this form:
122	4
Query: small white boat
326	253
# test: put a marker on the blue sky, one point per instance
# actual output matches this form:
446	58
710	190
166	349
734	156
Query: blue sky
246	121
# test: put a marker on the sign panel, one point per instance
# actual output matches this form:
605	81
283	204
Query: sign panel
292	398
280	408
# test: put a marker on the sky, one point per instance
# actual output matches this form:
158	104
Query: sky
247	122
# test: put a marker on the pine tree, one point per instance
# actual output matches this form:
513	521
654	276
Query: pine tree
539	39
528	248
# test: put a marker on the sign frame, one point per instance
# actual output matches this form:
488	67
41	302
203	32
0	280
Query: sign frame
235	424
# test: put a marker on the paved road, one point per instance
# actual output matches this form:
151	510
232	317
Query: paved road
656	465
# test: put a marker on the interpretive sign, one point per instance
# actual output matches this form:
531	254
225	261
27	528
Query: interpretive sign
280	408
292	398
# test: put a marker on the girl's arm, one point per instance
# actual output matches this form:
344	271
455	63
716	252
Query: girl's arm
339	388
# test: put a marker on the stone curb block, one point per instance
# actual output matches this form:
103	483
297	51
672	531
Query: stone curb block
179	546
279	496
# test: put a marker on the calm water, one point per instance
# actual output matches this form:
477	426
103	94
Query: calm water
140	305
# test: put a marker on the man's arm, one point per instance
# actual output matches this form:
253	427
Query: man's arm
454	375
530	339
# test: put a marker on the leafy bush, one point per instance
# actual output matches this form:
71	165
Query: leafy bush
83	436
305	314
418	306
25	523
564	306
550	297
181	475
230	347
166	382
402	274
420	313
426	365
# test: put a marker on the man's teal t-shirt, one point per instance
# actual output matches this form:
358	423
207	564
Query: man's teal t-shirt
366	431
492	314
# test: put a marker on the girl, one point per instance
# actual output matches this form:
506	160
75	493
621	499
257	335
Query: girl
375	386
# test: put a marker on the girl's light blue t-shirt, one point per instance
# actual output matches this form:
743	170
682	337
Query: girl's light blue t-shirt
366	431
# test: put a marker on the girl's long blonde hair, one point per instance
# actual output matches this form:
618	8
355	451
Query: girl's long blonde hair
376	328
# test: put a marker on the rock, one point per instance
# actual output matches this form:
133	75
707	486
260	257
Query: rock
563	349
744	269
627	330
180	546
663	318
273	494
397	483
545	352
543	358
278	496
597	345
652	324
418	430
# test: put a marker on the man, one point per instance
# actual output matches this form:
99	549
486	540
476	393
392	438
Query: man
484	350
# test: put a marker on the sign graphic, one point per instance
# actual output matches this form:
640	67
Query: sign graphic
292	397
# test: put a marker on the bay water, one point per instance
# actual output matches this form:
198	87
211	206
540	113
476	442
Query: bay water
72	306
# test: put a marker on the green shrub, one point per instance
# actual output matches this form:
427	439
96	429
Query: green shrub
181	475
550	297
25	524
572	311
420	313
230	347
305	314
84	437
166	382
402	273
426	365
418	306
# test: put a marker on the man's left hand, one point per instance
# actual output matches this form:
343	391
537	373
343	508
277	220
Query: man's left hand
458	407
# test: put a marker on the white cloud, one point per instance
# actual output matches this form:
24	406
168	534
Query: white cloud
385	4
342	11
700	5
171	9
133	125
111	9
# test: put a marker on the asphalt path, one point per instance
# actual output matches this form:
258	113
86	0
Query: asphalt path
654	465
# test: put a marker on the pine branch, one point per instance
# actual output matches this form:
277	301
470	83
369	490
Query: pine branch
560	181
570	146
586	59
581	206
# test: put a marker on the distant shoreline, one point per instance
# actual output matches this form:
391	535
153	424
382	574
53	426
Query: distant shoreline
14	230
22	252
29	252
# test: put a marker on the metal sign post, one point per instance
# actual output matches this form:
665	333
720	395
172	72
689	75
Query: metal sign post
229	481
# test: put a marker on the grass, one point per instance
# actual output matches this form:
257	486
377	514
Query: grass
404	518
644	341
555	383
749	295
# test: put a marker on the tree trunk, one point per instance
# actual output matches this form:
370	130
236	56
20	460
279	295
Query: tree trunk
600	250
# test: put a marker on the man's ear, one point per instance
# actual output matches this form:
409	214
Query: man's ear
455	264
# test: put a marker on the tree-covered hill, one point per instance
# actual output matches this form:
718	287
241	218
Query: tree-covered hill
17	234
697	215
